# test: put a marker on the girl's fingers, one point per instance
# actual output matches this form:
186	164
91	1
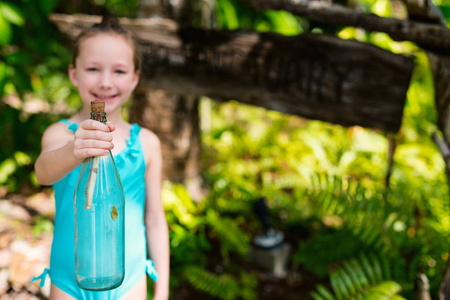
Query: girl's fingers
81	155
96	144
94	125
93	138
96	135
88	148
111	126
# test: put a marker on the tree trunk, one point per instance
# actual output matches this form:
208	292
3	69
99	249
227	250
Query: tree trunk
440	66
173	117
175	120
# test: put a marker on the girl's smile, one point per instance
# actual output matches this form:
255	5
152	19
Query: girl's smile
105	98
105	71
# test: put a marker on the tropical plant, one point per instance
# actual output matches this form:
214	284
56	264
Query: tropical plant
32	83
199	231
362	278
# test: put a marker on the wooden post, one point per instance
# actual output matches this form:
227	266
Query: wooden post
174	117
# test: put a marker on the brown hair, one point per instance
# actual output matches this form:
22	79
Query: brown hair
109	25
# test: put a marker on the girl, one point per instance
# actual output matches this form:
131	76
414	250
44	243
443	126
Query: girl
106	64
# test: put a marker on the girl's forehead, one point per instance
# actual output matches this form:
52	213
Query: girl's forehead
106	45
106	40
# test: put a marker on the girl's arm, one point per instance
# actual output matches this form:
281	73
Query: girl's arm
155	219
63	151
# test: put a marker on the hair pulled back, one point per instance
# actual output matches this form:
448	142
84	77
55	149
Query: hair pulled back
108	25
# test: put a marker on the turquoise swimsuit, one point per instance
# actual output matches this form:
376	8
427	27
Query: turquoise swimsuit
131	165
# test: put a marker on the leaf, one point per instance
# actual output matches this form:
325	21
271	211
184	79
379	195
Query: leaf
385	290
359	272
368	268
12	13
351	270
48	5
7	168
445	11
5	30
348	287
323	293
3	77
283	22
184	197
114	213
376	267
222	286
230	14
19	57
338	285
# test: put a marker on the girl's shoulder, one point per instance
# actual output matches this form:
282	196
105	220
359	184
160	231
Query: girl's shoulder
60	128
149	138
151	144
56	135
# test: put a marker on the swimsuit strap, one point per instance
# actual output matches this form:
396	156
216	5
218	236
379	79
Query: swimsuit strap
150	269
41	277
72	126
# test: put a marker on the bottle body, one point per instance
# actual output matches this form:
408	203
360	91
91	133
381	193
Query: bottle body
99	206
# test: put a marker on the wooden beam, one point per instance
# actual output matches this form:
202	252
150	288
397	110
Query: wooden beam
313	76
430	36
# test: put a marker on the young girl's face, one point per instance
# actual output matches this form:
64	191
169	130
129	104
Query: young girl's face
105	71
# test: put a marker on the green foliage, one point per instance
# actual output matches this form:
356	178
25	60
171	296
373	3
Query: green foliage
199	232
222	286
119	8
325	187
228	232
21	134
32	66
233	14
361	278
42	224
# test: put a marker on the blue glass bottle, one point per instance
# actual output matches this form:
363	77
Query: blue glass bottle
99	205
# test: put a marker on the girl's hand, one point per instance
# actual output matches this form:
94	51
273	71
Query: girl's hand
92	138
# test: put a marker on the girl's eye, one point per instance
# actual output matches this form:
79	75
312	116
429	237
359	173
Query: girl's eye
92	69
121	72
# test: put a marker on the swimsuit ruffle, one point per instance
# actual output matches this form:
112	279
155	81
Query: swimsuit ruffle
132	149
130	152
73	126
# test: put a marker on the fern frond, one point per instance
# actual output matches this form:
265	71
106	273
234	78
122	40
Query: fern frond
385	290
177	201
222	286
288	180
322	293
233	238
361	278
224	205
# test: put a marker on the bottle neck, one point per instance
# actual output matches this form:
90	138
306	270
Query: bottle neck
98	116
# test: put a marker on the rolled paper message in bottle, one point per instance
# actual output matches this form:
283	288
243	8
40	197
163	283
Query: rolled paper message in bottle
99	207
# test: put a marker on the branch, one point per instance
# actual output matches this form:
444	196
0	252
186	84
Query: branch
425	11
314	76
429	36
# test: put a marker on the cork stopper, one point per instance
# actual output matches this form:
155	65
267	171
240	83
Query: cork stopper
97	106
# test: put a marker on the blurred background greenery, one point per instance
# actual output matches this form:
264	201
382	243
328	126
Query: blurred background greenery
325	184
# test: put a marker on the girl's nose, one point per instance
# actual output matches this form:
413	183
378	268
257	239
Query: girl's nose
105	80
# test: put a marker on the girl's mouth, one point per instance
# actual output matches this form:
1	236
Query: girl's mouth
105	98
